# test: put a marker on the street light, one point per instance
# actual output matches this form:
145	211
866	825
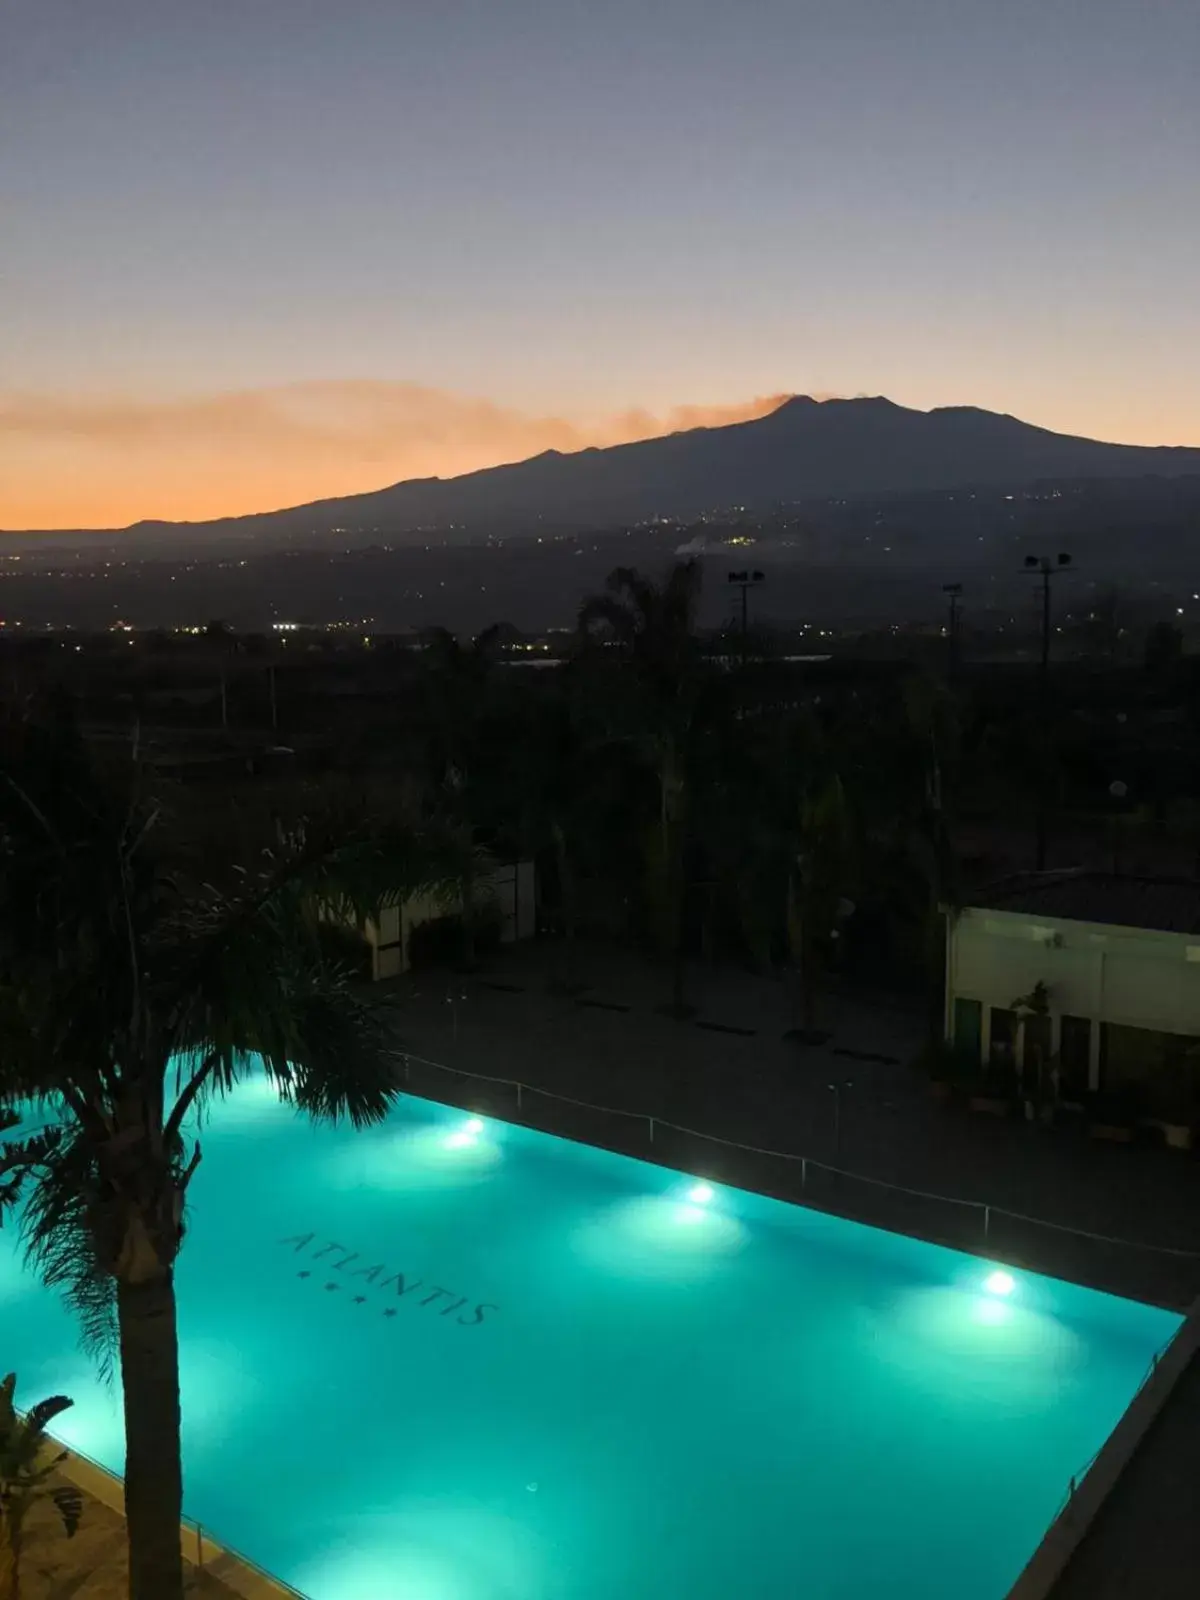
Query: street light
745	581
837	1116
1046	568
954	592
1118	791
456	993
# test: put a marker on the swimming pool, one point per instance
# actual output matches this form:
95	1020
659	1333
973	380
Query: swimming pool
452	1359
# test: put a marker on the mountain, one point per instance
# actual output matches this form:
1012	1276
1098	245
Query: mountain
806	450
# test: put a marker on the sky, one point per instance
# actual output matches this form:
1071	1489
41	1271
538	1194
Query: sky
257	251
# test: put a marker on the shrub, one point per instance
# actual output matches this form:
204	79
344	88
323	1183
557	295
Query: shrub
25	1474
942	1061
439	942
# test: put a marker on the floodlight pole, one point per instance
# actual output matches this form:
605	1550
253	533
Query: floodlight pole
1046	568
954	593
745	581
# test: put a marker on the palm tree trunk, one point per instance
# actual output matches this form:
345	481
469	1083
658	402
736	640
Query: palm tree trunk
679	1003
675	907
671	843
467	892
153	1465
804	1003
10	1557
802	988
935	977
567	899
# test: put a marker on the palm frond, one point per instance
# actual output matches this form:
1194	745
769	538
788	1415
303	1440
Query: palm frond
22	1159
343	1064
251	977
42	1414
57	1227
279	999
68	1502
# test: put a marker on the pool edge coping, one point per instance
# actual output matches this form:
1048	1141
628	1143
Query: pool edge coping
224	1564
1072	1523
1175	1303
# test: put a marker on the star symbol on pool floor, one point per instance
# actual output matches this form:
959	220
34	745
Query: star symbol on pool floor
391	1312
360	1299
304	1274
330	1286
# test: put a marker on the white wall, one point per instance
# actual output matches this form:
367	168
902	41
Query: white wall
386	950
511	888
1140	978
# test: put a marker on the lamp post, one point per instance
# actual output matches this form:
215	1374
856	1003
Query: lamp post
1046	569
745	581
837	1117
456	993
1118	790
953	592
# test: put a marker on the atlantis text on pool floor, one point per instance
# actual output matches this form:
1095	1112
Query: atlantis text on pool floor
336	1266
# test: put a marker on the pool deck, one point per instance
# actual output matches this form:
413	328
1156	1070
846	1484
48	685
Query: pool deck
729	1072
92	1565
1144	1544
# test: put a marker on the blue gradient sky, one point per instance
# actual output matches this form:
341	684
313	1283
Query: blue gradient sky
570	209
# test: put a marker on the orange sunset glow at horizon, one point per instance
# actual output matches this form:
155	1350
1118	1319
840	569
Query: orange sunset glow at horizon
110	461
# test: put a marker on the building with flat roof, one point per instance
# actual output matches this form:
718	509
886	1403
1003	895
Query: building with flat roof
1115	965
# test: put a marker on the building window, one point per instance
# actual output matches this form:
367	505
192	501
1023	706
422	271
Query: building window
1162	1069
1074	1057
968	1029
1037	1035
1002	1052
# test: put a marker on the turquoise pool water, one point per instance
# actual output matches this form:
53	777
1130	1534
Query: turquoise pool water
459	1360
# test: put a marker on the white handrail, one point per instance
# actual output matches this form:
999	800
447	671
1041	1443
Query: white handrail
807	1161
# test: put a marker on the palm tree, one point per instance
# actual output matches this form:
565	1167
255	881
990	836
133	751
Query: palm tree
25	1478
777	837
129	996
906	780
458	683
652	629
810	850
546	783
818	838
